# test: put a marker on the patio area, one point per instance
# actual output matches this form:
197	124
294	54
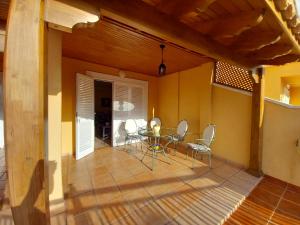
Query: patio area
112	186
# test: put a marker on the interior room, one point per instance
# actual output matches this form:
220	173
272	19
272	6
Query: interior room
103	114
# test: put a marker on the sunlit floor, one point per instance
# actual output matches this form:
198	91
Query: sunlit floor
112	186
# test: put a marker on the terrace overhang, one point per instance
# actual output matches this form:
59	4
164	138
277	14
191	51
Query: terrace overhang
267	33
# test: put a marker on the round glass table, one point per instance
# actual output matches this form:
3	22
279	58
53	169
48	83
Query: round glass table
153	146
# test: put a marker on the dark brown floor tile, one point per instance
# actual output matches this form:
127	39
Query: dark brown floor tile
281	219
274	188
293	188
289	209
248	215
274	180
292	196
263	197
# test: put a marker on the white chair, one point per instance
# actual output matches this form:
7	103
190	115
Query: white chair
155	121
181	131
131	132
203	145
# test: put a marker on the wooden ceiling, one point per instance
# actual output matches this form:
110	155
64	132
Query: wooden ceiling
116	45
247	27
246	32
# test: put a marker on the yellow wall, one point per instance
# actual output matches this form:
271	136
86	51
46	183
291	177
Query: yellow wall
186	95
295	96
232	115
69	69
190	95
274	75
281	131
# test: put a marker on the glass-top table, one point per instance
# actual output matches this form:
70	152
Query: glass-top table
155	147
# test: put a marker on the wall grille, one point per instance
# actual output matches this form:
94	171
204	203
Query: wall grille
232	76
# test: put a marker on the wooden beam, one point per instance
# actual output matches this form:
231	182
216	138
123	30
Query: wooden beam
2	35
231	26
248	41
256	143
281	60
271	51
146	18
282	4
54	70
24	113
65	14
289	12
284	26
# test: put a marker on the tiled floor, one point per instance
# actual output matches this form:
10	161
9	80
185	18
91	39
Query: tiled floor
272	202
113	186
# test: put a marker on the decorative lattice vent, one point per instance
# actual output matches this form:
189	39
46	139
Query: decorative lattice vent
232	76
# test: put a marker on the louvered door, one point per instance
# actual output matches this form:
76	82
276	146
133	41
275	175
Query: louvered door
129	102
85	133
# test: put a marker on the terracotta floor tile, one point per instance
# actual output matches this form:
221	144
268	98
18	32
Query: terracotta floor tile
225	171
272	187
112	210
293	188
275	181
265	196
207	181
81	203
292	196
282	219
289	208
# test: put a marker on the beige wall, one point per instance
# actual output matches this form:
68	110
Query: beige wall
69	69
281	131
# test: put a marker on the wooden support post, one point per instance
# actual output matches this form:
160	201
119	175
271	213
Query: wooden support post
54	67
256	144
24	93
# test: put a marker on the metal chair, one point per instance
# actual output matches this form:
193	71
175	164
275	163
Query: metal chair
182	129
203	145
155	121
131	130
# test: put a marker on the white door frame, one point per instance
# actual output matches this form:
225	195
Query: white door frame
112	79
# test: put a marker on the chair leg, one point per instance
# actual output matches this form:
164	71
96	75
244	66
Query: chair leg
145	154
209	158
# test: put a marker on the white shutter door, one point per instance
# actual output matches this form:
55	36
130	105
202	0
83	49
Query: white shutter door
120	112
84	116
129	102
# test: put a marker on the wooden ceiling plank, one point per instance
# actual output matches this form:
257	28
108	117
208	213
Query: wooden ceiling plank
283	25
251	42
147	19
272	51
65	14
281	60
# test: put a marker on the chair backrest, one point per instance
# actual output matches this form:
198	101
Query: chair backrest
182	128
155	121
209	134
130	126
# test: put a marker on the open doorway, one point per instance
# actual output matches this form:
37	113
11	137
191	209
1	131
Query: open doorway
103	114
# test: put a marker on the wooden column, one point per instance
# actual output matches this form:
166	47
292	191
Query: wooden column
24	113
54	67
256	144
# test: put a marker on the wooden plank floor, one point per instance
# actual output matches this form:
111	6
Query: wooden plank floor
112	186
272	202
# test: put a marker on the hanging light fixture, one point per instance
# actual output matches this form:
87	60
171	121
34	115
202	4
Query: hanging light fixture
162	67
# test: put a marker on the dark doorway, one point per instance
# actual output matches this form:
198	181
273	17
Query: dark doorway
103	114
